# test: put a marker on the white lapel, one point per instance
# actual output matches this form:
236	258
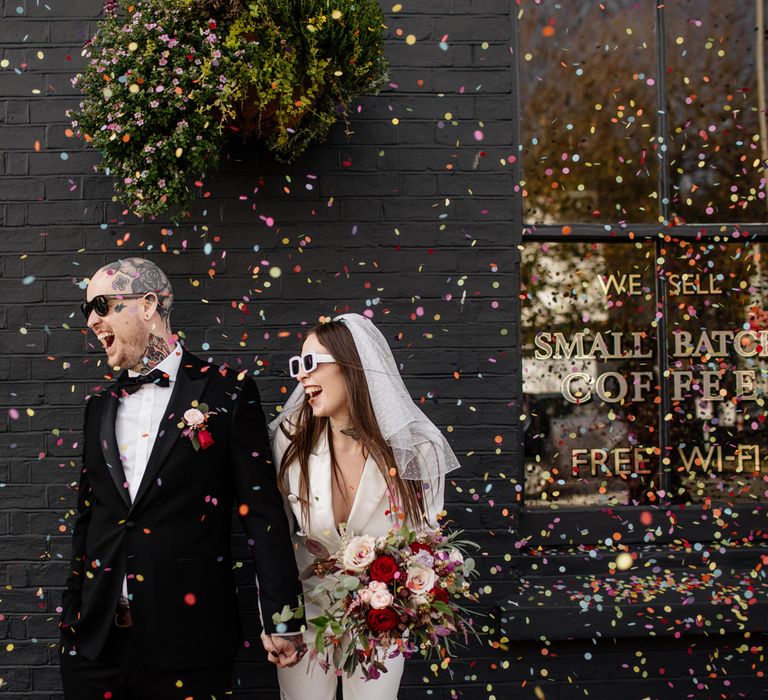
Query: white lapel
322	525
371	495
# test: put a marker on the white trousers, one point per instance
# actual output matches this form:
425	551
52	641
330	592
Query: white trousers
302	682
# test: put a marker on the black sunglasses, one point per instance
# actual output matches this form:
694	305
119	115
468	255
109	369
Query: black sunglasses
100	303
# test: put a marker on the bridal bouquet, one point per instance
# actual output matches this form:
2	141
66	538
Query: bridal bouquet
398	594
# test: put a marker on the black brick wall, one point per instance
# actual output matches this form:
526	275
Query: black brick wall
412	221
417	222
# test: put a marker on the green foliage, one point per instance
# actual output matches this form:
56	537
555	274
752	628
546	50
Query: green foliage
142	103
164	78
312	58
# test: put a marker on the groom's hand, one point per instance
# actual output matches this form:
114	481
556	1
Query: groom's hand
284	651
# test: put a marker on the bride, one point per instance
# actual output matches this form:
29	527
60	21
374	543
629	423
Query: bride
351	447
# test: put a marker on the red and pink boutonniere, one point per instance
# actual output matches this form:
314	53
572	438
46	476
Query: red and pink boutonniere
195	424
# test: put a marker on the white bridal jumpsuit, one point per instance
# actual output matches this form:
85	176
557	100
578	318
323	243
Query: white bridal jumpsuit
367	517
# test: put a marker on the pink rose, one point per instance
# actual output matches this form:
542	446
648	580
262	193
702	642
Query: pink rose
359	553
420	579
194	417
381	600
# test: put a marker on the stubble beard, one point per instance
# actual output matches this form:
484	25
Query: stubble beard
132	351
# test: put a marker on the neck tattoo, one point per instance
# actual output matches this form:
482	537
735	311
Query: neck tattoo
350	432
156	351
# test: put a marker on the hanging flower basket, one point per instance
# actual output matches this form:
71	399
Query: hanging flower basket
168	80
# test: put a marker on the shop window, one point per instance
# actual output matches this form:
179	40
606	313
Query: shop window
644	309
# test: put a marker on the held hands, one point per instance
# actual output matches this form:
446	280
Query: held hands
286	651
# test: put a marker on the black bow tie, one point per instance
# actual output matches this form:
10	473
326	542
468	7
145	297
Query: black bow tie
132	384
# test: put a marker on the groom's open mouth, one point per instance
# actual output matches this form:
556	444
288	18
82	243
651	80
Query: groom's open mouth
106	338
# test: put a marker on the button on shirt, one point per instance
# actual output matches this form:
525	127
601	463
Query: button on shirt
137	423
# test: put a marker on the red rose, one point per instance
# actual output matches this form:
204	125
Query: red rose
382	620
439	594
419	547
383	568
205	439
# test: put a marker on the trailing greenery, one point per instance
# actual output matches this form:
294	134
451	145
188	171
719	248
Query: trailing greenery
167	80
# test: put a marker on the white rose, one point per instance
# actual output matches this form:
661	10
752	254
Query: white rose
359	553
378	586
455	556
365	595
381	599
420	579
194	417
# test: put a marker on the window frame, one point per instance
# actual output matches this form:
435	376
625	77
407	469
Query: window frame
597	524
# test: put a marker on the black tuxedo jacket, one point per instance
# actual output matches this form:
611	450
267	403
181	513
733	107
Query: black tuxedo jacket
173	541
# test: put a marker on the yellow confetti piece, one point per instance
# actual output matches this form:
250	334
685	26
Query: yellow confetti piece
410	40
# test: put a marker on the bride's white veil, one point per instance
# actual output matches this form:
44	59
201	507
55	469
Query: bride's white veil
421	452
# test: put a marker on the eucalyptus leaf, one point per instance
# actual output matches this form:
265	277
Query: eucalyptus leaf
320	639
351	583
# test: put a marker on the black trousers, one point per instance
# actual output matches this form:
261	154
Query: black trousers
120	674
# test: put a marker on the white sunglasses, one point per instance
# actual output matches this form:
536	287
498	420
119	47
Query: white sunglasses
307	363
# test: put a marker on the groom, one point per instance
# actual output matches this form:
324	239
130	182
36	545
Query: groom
170	448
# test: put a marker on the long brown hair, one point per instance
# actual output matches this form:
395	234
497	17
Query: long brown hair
306	430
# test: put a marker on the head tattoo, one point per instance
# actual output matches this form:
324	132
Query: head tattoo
139	276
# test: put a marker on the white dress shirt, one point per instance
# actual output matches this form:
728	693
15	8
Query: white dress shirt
137	422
